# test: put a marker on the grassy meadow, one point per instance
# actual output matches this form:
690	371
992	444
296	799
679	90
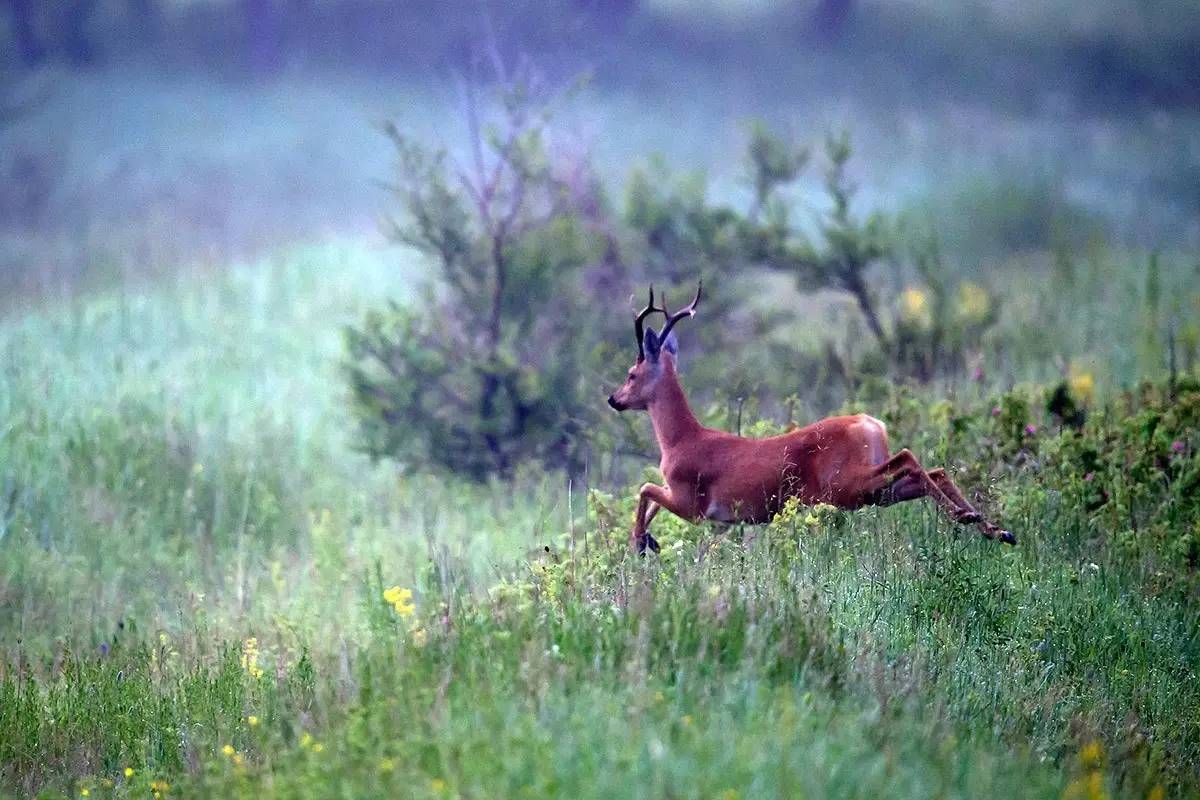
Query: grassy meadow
206	592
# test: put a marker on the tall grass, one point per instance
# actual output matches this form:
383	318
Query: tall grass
194	561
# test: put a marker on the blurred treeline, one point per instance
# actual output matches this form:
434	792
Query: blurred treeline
1124	49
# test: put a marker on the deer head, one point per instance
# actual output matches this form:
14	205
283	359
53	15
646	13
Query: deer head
645	375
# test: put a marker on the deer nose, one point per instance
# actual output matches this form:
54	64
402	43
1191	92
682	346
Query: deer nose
613	402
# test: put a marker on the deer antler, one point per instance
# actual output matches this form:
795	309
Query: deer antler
678	315
637	323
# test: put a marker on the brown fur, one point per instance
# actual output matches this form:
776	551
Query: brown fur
711	474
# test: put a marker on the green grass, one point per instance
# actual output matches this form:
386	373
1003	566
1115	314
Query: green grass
176	478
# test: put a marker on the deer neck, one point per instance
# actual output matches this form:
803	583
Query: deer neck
670	413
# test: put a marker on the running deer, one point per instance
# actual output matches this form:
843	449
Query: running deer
714	475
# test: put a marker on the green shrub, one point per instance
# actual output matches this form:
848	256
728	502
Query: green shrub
489	371
1129	471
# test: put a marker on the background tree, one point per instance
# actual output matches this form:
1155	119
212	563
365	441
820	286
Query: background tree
493	369
935	323
681	225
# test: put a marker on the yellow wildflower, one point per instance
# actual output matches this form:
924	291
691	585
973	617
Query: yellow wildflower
973	302
237	759
1083	386
914	307
159	786
659	697
419	637
228	750
729	794
1091	755
129	772
386	765
250	658
317	747
84	792
1157	793
251	720
686	719
306	739
401	600
438	785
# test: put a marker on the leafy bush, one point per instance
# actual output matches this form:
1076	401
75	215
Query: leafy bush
489	371
938	324
1127	472
681	226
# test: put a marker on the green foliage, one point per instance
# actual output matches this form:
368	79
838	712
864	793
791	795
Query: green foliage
489	372
772	163
864	654
1129	469
1138	471
881	653
940	329
939	325
680	225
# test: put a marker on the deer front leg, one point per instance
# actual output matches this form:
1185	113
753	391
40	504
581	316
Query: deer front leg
651	499
638	537
651	514
649	541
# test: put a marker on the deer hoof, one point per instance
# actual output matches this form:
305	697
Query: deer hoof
1007	537
646	542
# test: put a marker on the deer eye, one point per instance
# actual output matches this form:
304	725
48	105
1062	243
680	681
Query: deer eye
632	377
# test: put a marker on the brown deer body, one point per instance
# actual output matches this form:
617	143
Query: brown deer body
714	475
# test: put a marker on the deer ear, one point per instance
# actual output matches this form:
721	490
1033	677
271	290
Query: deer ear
651	344
671	345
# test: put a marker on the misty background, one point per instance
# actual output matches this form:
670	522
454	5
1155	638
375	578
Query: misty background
308	314
143	137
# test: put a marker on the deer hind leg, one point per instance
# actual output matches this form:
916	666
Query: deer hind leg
954	493
948	487
902	478
911	487
916	484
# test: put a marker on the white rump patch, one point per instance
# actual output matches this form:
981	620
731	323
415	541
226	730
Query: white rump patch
876	434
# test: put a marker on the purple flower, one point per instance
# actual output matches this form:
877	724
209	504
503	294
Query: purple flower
104	648
1177	446
977	374
1030	429
1088	478
995	411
